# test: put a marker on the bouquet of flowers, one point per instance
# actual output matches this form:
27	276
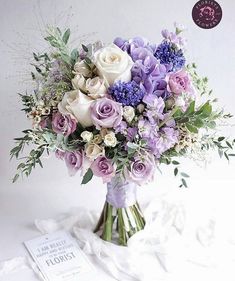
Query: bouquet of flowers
117	112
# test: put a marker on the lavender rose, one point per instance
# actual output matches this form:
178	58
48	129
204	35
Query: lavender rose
106	113
73	161
179	82
141	170
63	124
59	154
103	167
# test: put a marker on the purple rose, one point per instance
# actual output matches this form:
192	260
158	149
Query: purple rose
106	113
141	170
103	167
73	161
179	82
60	154
63	124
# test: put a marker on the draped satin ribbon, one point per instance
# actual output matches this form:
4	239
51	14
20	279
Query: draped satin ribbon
121	194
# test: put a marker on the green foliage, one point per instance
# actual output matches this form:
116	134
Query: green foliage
43	139
201	83
87	177
59	41
194	118
30	161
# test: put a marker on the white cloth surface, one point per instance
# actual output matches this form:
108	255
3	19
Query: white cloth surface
171	247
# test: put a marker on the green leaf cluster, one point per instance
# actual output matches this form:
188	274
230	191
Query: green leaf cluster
193	118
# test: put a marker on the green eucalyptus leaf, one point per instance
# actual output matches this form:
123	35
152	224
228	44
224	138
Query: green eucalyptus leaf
85	48
184	175
184	119
191	128
226	156
66	35
184	182
211	124
229	145
198	123
15	178
191	108
221	139
87	60
87	177
176	171
74	55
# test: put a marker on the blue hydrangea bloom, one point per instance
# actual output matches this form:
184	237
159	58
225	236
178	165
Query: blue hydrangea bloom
127	93
169	54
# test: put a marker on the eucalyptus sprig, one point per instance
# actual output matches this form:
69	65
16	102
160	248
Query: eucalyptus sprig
59	41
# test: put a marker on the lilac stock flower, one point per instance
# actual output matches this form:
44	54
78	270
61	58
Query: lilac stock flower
155	107
174	38
131	133
103	167
121	128
63	124
73	161
127	93
141	169
146	129
154	102
166	138
169	54
106	113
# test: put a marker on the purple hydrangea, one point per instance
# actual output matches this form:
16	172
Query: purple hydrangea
169	54
127	93
150	75
137	42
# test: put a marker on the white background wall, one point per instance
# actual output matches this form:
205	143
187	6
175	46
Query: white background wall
50	191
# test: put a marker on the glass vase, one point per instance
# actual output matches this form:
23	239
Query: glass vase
121	217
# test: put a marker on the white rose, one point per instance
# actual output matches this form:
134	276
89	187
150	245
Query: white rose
82	68
128	113
113	64
86	136
78	105
79	82
93	151
110	139
96	87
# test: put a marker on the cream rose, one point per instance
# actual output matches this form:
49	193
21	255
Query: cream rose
110	139
96	88
128	113
79	82
78	105
82	68
93	150
87	136
113	64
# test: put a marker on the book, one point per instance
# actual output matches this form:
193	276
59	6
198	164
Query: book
59	257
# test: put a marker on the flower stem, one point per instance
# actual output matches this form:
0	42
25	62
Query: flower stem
129	220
